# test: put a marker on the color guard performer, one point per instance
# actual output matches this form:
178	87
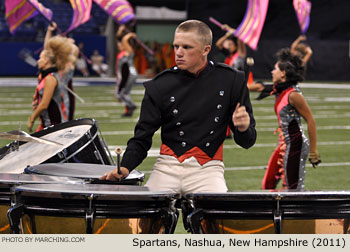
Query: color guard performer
287	162
125	70
48	100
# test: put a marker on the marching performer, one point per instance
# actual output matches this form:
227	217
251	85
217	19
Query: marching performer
287	162
48	100
235	52
125	70
65	76
193	103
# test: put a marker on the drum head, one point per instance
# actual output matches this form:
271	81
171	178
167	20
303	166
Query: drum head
83	171
125	192
32	153
18	179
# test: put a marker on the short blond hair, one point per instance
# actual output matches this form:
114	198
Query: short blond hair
203	31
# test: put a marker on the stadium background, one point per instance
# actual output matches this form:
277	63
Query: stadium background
328	33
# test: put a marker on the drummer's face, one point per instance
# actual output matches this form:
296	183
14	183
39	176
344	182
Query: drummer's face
43	61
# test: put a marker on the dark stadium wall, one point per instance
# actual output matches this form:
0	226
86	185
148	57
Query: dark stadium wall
328	35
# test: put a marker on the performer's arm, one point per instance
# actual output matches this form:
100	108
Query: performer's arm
299	102
307	55
149	122
242	50
126	44
229	32
296	42
138	146
243	122
52	26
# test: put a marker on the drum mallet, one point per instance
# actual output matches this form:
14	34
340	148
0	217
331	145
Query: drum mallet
249	63
118	151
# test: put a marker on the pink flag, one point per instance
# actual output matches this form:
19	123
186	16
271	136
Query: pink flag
46	12
302	10
18	11
81	13
250	29
120	10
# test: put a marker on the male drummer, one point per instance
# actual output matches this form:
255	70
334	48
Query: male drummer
193	102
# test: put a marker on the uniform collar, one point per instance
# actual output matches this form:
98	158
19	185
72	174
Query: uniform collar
202	71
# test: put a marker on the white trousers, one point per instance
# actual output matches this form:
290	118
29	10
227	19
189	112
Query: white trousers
187	177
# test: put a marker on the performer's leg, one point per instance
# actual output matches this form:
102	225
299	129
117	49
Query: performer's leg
294	162
203	178
272	175
165	175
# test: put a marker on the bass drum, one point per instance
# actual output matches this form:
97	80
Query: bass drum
80	139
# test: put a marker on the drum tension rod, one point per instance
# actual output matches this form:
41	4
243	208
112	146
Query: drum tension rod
96	152
89	218
277	216
105	145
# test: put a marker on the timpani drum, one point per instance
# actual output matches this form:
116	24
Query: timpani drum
80	139
8	181
92	208
265	212
88	172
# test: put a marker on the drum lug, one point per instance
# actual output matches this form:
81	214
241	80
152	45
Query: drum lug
90	216
63	155
14	215
186	208
169	219
194	221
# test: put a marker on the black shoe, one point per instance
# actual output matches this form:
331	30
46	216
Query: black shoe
130	112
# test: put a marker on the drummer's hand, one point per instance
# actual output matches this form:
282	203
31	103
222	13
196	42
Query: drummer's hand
30	124
240	118
113	175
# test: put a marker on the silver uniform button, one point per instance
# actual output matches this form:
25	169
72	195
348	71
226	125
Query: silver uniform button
178	123
175	67
172	99
216	119
175	111
219	106
181	133
183	144
221	93
207	144
211	132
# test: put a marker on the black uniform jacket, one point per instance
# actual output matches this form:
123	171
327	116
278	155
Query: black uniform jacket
191	111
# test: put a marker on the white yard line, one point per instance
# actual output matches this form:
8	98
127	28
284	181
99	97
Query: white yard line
154	152
262	167
272	129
